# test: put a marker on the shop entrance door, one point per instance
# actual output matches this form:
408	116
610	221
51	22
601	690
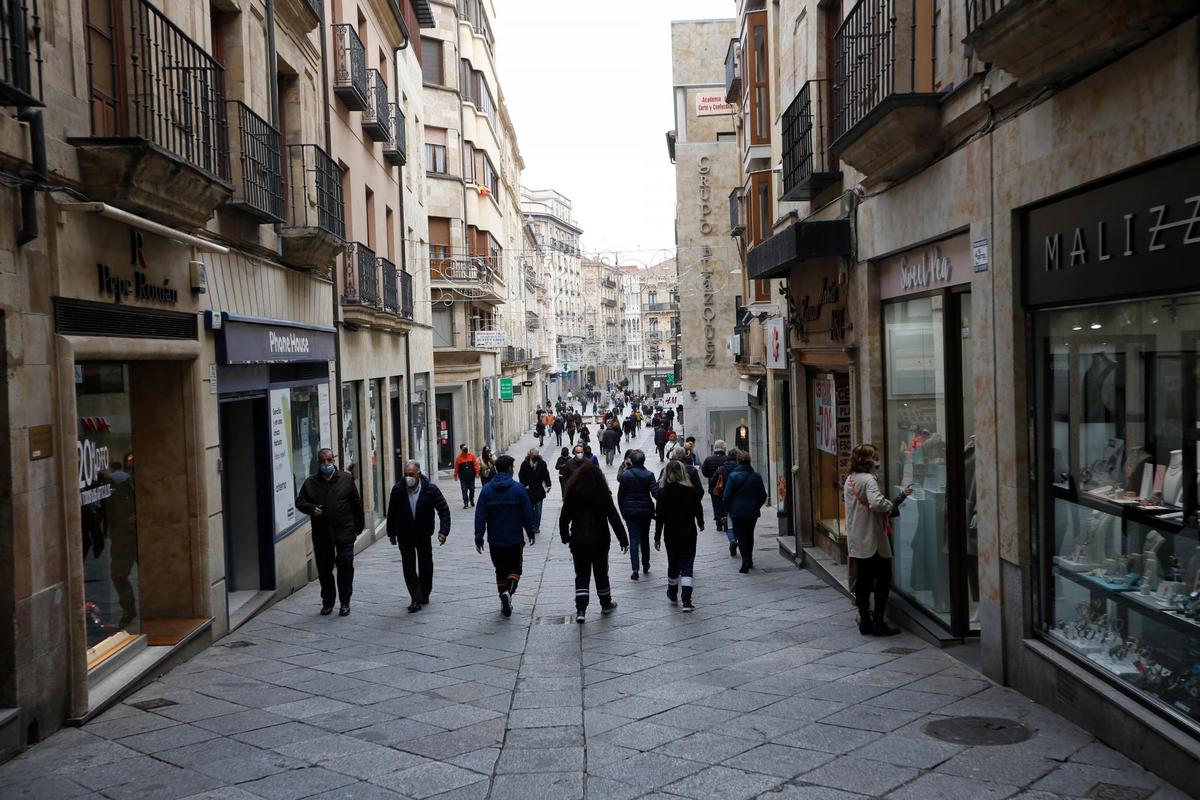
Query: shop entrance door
246	492
444	407
829	437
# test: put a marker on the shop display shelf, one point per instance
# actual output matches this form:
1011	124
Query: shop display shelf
1132	600
1154	517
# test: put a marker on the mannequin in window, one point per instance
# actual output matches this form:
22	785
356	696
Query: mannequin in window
1103	390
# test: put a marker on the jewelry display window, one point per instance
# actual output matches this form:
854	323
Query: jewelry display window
1116	417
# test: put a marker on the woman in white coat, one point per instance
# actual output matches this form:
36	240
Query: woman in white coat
868	536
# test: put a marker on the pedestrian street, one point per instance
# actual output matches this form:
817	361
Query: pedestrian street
767	690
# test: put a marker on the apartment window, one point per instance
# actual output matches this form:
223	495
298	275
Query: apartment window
759	109
435	150
466	81
469	162
369	204
433	68
759	207
439	238
390	233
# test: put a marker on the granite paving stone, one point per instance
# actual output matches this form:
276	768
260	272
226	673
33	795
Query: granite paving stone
766	691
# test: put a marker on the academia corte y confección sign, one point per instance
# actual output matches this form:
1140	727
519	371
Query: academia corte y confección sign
1135	233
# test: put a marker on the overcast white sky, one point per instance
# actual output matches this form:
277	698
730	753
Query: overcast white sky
588	85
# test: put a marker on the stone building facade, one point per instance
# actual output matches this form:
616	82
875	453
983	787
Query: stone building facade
171	298
556	235
987	277
706	169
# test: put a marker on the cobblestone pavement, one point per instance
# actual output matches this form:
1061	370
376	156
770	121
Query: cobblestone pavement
768	690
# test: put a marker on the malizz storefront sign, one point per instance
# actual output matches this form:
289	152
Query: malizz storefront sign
1136	233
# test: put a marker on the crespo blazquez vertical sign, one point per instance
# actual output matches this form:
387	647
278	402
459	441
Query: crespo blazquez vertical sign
708	311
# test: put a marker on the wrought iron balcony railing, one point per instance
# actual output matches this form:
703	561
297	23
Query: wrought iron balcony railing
360	276
20	53
807	164
256	164
733	74
882	50
376	117
608	301
532	321
608	283
349	68
406	295
395	149
660	307
391	287
462	270
980	11
314	190
515	355
149	80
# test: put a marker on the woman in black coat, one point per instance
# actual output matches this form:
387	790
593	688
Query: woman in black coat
679	513
587	513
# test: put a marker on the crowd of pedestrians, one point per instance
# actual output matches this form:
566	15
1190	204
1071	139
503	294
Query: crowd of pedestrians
508	514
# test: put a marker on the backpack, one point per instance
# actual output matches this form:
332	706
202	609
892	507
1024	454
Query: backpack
719	486
467	470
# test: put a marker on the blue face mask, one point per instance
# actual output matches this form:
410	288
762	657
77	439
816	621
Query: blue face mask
327	469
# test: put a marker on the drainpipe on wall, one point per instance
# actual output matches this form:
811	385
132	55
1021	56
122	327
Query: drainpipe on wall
336	400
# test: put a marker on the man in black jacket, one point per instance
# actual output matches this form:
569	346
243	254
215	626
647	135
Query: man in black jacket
332	502
709	470
535	477
610	442
410	524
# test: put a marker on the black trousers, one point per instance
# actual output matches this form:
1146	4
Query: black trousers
468	489
718	508
873	577
661	451
589	562
743	529
328	556
417	554
507	561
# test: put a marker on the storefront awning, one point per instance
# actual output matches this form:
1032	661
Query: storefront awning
775	257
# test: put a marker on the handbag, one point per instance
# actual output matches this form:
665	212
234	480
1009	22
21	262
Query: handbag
887	521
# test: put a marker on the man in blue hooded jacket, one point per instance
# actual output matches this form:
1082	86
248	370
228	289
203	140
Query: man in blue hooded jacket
504	511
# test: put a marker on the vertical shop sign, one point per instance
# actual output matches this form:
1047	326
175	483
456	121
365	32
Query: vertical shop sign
323	406
823	390
281	462
844	445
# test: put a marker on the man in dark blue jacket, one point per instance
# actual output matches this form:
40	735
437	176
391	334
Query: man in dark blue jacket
504	511
635	501
410	513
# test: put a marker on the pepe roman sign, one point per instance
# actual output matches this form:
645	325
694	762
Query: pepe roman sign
1137	233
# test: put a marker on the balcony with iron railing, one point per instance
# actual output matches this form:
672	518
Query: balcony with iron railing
733	74
158	144
20	53
376	116
468	277
360	277
808	168
609	302
256	164
532	321
514	356
608	282
735	213
391	286
314	230
657	308
349	68
886	115
1051	42
395	149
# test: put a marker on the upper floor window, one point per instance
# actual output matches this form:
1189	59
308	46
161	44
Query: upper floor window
435	150
433	68
758	110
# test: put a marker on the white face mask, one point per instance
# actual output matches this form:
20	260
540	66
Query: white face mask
411	481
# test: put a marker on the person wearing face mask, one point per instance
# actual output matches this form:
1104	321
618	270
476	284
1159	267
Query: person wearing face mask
577	460
410	515
466	467
535	477
332	502
868	538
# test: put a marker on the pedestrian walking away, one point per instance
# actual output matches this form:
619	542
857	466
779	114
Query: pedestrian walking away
560	466
571	428
535	478
709	470
587	514
745	493
331	500
660	440
717	488
868	539
680	514
557	427
539	430
610	440
466	467
636	502
503	513
410	517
